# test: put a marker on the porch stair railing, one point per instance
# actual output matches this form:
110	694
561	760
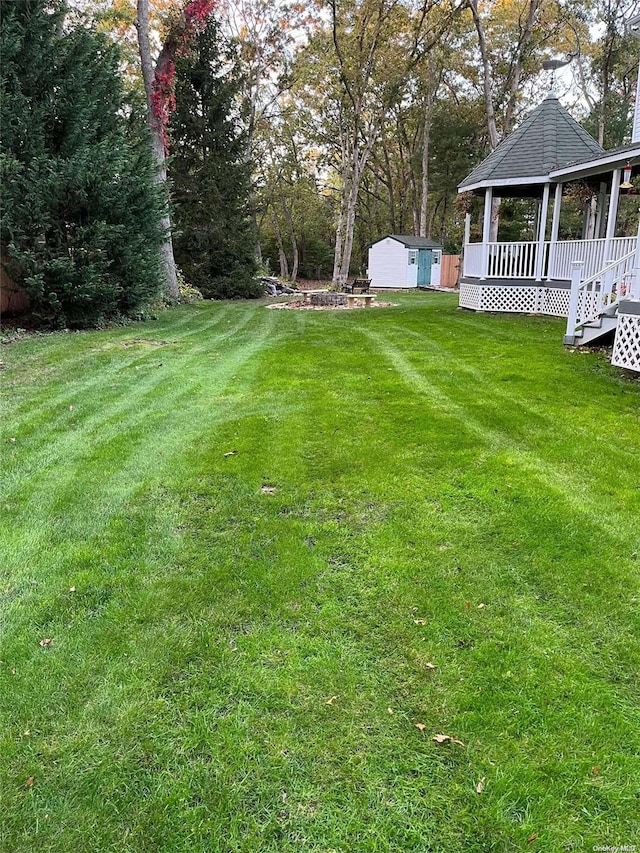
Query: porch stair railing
593	304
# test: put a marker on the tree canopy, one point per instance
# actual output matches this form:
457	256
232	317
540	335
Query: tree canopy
81	217
297	133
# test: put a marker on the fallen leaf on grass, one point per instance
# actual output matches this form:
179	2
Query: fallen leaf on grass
331	701
46	642
595	771
26	733
430	666
230	453
421	726
446	739
268	490
72	589
480	606
480	785
70	408
419	621
29	782
390	710
532	838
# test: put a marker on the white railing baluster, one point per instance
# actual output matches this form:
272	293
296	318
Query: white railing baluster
517	260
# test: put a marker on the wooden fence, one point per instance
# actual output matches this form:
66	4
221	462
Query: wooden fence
449	270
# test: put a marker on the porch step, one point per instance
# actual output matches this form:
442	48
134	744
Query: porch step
592	332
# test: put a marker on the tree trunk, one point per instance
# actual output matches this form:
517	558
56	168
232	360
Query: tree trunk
349	222
516	75
338	248
495	219
426	137
157	146
294	242
282	255
390	187
487	78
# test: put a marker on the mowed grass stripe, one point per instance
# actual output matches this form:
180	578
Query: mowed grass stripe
183	702
79	379
482	418
116	444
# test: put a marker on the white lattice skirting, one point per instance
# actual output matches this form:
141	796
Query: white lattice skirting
626	348
469	295
517	300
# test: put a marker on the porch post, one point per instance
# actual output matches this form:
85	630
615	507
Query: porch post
635	272
612	215
555	228
542	232
486	230
465	241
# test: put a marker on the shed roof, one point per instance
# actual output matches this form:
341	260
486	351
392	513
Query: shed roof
412	242
548	138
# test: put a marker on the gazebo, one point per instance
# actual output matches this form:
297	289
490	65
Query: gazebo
593	281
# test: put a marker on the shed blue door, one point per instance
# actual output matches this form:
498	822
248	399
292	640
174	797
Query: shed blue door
425	258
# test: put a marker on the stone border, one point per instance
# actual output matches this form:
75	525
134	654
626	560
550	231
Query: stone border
302	306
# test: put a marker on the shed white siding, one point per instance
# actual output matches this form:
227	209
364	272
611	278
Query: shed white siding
388	264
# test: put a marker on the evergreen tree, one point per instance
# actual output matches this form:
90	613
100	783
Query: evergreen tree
214	239
80	214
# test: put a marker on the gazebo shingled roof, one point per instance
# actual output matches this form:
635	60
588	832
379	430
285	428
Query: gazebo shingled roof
548	138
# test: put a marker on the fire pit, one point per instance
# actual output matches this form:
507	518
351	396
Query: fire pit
329	299
325	298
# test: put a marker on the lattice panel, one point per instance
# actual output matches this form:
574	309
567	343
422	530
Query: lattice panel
626	348
469	296
556	302
587	305
520	300
553	301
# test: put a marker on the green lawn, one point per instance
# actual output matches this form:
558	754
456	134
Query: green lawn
243	669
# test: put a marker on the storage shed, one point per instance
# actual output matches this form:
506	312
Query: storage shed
400	261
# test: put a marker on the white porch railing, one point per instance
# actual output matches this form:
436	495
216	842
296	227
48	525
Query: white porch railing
589	252
473	259
518	260
592	296
512	260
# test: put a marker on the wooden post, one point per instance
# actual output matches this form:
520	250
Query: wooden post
542	232
486	229
555	228
576	278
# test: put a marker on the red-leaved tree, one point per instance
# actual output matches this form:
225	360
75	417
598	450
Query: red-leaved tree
159	86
